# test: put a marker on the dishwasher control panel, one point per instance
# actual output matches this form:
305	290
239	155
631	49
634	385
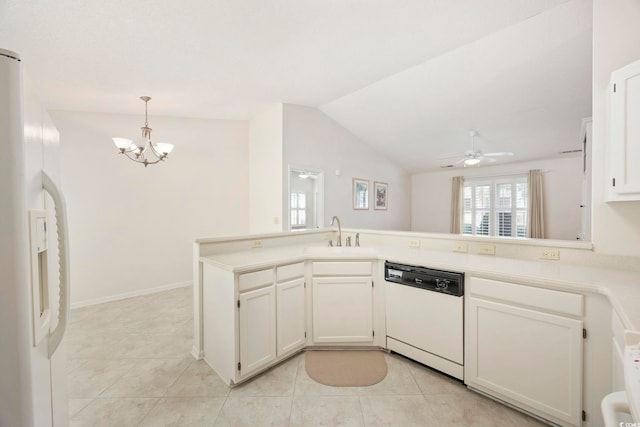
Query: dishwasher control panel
446	282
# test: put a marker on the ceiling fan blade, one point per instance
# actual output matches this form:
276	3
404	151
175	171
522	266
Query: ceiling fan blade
451	156
460	161
503	153
489	159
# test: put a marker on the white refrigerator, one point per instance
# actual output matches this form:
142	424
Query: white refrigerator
34	262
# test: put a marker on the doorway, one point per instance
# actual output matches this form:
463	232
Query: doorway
305	198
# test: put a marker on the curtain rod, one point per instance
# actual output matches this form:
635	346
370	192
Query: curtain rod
503	175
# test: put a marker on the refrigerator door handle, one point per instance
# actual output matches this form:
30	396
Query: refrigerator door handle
55	337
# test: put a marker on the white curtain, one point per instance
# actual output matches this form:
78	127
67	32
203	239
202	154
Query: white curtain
457	190
535	206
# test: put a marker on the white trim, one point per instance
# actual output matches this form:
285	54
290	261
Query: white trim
247	237
131	294
197	353
577	244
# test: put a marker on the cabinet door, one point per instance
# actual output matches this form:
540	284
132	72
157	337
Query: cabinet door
257	329
291	316
526	357
342	309
625	134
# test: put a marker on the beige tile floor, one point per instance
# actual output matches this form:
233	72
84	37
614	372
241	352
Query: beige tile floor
130	365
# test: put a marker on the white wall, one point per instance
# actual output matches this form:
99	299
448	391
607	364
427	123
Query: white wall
431	195
314	140
265	171
616	31
132	228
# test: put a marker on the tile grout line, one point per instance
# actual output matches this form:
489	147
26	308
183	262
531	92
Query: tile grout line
150	410
293	394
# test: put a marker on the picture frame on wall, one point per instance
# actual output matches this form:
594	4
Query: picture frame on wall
360	194
380	195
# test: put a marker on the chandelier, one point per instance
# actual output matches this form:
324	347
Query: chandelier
143	150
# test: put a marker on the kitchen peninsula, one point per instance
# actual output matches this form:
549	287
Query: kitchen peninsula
532	327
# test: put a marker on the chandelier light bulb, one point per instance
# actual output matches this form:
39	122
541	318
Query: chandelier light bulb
141	143
163	147
122	143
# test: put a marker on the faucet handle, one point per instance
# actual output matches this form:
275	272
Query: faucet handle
348	241
357	239
330	243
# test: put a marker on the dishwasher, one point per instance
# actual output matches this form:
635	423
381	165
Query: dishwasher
424	311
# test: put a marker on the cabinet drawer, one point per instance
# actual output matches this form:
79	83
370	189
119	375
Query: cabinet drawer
349	268
257	279
545	299
289	272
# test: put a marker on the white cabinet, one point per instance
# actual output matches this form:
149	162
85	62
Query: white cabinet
252	320
291	316
342	309
524	345
624	144
257	329
342	302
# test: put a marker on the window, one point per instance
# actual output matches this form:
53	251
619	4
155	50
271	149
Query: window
298	210
495	207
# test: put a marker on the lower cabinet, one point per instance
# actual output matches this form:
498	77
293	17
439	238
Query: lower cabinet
257	329
524	345
291	329
252	320
342	309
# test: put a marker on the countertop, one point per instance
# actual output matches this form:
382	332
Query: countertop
622	288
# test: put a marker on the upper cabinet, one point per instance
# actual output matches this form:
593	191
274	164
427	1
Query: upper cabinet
624	144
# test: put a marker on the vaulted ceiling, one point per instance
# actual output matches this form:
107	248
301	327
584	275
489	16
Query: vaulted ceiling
410	77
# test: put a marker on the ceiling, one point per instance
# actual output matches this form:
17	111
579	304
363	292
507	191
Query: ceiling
410	77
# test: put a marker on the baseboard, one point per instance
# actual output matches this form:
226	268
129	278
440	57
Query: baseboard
197	353
132	294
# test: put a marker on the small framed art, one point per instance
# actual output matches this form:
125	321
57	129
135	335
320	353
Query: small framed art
380	192
360	194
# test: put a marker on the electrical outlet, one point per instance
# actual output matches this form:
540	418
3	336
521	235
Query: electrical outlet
460	247
414	243
256	244
487	249
550	253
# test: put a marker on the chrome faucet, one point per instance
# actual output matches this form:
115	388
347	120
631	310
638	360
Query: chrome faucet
348	241
334	219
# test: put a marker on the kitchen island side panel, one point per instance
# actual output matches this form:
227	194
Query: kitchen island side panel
219	321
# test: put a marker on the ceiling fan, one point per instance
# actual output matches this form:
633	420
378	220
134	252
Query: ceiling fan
474	157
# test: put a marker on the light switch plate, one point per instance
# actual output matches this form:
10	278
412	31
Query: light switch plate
550	253
256	244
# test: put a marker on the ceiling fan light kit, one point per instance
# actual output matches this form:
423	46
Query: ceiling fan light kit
474	157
